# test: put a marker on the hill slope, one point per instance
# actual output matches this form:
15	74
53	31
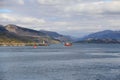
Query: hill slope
107	36
57	36
23	31
15	34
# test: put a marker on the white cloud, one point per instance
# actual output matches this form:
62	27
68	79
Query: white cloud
112	6
115	23
68	16
21	2
48	1
95	7
58	2
9	18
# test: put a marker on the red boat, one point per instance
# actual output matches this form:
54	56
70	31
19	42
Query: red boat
35	46
68	44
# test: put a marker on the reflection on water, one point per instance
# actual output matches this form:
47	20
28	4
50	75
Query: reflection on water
56	62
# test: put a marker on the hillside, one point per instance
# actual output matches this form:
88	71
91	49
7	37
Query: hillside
11	34
23	31
107	36
57	36
51	33
9	38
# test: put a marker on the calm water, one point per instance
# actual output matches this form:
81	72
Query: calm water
56	62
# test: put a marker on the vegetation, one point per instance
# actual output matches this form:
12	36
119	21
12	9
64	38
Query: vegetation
12	35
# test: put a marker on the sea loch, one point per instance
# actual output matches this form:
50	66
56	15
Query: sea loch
57	62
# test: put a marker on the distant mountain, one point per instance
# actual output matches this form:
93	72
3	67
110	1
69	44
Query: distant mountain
57	36
107	36
51	33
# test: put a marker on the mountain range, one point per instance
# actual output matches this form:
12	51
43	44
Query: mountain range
106	36
16	34
57	36
11	34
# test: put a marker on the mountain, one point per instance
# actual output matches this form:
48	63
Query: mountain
107	36
11	34
51	33
7	37
23	31
2	29
57	36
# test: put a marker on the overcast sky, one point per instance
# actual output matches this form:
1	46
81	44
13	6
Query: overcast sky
70	17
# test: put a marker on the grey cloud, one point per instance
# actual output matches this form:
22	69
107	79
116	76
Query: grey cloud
95	7
67	16
2	3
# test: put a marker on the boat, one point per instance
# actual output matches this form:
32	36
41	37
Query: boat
67	44
35	46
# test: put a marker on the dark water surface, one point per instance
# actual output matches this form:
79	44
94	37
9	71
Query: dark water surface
57	62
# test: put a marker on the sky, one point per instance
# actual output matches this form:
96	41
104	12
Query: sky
70	17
